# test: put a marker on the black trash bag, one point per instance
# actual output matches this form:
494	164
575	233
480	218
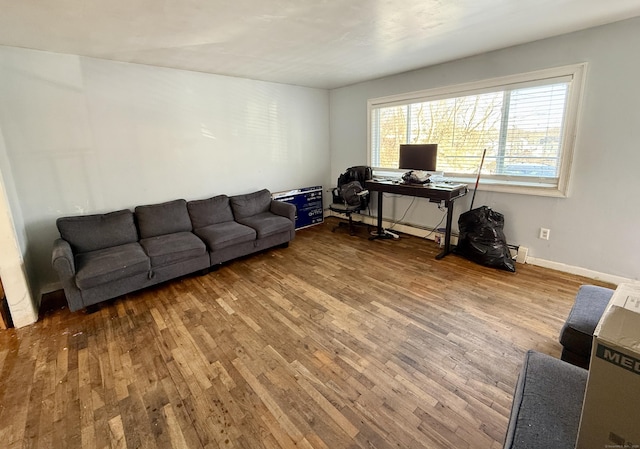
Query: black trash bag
482	239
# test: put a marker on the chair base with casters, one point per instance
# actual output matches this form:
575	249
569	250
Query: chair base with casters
348	211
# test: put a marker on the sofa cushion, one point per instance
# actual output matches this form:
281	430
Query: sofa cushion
171	248
223	235
267	224
210	211
110	264
93	232
546	404
250	204
164	218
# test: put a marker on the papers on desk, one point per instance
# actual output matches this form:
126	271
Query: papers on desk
446	185
440	185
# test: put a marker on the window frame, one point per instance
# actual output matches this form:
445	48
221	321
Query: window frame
504	183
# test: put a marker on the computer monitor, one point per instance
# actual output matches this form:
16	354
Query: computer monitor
421	156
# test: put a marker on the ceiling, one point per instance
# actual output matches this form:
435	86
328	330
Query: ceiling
315	43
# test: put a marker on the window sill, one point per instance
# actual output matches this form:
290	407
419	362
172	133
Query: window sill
487	185
517	187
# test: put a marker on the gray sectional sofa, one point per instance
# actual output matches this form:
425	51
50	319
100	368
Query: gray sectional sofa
102	256
548	398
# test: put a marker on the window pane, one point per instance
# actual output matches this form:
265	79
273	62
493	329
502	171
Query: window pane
389	130
461	127
534	135
521	129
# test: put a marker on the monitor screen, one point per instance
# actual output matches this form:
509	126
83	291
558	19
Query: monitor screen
421	156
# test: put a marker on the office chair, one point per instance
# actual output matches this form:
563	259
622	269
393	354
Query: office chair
350	196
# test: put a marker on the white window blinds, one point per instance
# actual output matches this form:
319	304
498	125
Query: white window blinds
522	125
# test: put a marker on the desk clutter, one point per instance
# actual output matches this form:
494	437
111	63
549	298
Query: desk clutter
441	185
430	179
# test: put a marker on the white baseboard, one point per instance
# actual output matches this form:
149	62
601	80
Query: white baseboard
429	234
49	288
523	258
404	228
578	271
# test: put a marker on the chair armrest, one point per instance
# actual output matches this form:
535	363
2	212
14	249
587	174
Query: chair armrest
286	210
62	259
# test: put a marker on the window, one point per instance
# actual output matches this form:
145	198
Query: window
525	122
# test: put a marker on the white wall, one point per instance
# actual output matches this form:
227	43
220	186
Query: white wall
84	135
22	304
596	228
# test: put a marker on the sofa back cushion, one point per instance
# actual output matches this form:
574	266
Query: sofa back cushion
251	204
92	232
210	211
163	218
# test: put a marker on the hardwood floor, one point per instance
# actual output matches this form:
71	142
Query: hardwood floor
334	342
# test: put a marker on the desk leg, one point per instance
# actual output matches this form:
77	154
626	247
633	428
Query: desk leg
447	232
380	234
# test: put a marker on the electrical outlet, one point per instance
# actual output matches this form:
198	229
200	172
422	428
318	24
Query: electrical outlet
544	233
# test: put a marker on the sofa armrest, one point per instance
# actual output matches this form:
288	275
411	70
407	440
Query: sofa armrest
547	403
62	259
287	210
64	265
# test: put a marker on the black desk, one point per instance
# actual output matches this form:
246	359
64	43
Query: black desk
436	194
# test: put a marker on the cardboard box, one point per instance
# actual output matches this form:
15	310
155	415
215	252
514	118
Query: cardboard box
611	411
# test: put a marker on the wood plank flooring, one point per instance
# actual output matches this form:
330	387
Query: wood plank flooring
334	342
